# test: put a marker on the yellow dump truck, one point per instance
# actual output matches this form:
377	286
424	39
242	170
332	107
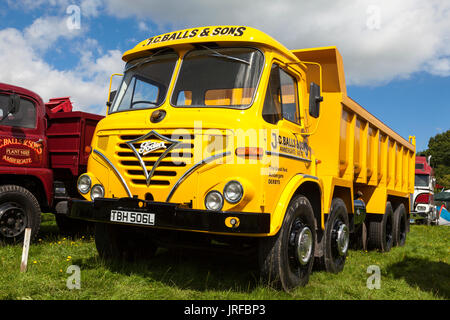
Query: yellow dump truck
222	137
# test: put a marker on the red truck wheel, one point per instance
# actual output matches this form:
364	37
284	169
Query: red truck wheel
286	259
19	209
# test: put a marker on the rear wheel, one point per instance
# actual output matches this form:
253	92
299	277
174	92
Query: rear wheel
381	230
336	238
19	210
400	226
286	259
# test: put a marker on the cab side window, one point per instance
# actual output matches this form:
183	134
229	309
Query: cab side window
289	97
24	118
281	97
272	104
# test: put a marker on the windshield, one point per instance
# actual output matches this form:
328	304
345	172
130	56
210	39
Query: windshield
218	77
422	180
145	82
24	118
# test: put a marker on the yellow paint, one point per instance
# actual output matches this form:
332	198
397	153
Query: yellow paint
349	149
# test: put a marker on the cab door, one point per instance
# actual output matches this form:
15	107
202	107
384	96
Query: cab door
288	149
22	139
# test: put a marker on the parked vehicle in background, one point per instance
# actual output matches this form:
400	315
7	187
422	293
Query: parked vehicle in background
442	201
42	153
424	209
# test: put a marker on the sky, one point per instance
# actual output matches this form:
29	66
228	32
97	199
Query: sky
396	53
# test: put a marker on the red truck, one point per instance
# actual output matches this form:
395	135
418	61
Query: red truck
424	209
43	150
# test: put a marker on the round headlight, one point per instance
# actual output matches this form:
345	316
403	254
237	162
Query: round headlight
84	184
214	201
97	191
233	191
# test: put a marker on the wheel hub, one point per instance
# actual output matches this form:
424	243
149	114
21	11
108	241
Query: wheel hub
304	245
12	220
342	238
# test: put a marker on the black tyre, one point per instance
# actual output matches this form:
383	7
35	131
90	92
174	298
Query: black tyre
381	230
336	238
19	209
118	242
360	237
400	226
286	259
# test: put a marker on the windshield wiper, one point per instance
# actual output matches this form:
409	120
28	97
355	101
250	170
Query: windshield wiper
220	55
140	63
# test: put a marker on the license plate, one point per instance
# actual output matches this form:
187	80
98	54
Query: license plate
133	217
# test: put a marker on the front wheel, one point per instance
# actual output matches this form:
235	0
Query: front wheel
286	259
19	210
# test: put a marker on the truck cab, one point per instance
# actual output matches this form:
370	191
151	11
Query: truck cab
25	176
423	198
222	135
41	156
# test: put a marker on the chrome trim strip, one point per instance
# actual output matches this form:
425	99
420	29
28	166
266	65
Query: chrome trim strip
192	169
115	171
309	176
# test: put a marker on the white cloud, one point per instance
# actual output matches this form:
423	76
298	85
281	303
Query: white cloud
91	8
380	40
143	26
22	64
45	31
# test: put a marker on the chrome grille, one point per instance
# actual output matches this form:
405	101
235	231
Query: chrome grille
170	168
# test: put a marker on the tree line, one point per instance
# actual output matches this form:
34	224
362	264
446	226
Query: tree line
439	150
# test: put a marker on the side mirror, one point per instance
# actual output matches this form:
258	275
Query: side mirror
112	95
314	100
13	106
13	103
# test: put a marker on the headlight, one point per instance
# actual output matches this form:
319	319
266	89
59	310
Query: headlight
97	191
84	183
214	201
233	191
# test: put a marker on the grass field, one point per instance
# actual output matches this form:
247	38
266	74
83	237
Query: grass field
419	270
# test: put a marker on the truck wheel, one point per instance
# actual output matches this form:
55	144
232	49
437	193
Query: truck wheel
400	226
336	237
381	230
286	259
19	209
360	238
117	242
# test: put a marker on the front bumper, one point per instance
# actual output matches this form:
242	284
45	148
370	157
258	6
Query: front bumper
424	212
171	216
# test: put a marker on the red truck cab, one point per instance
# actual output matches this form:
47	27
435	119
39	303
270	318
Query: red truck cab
424	209
42	146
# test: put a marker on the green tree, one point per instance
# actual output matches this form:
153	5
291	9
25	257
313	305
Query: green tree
439	150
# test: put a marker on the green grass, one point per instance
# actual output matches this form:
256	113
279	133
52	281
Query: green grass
419	270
